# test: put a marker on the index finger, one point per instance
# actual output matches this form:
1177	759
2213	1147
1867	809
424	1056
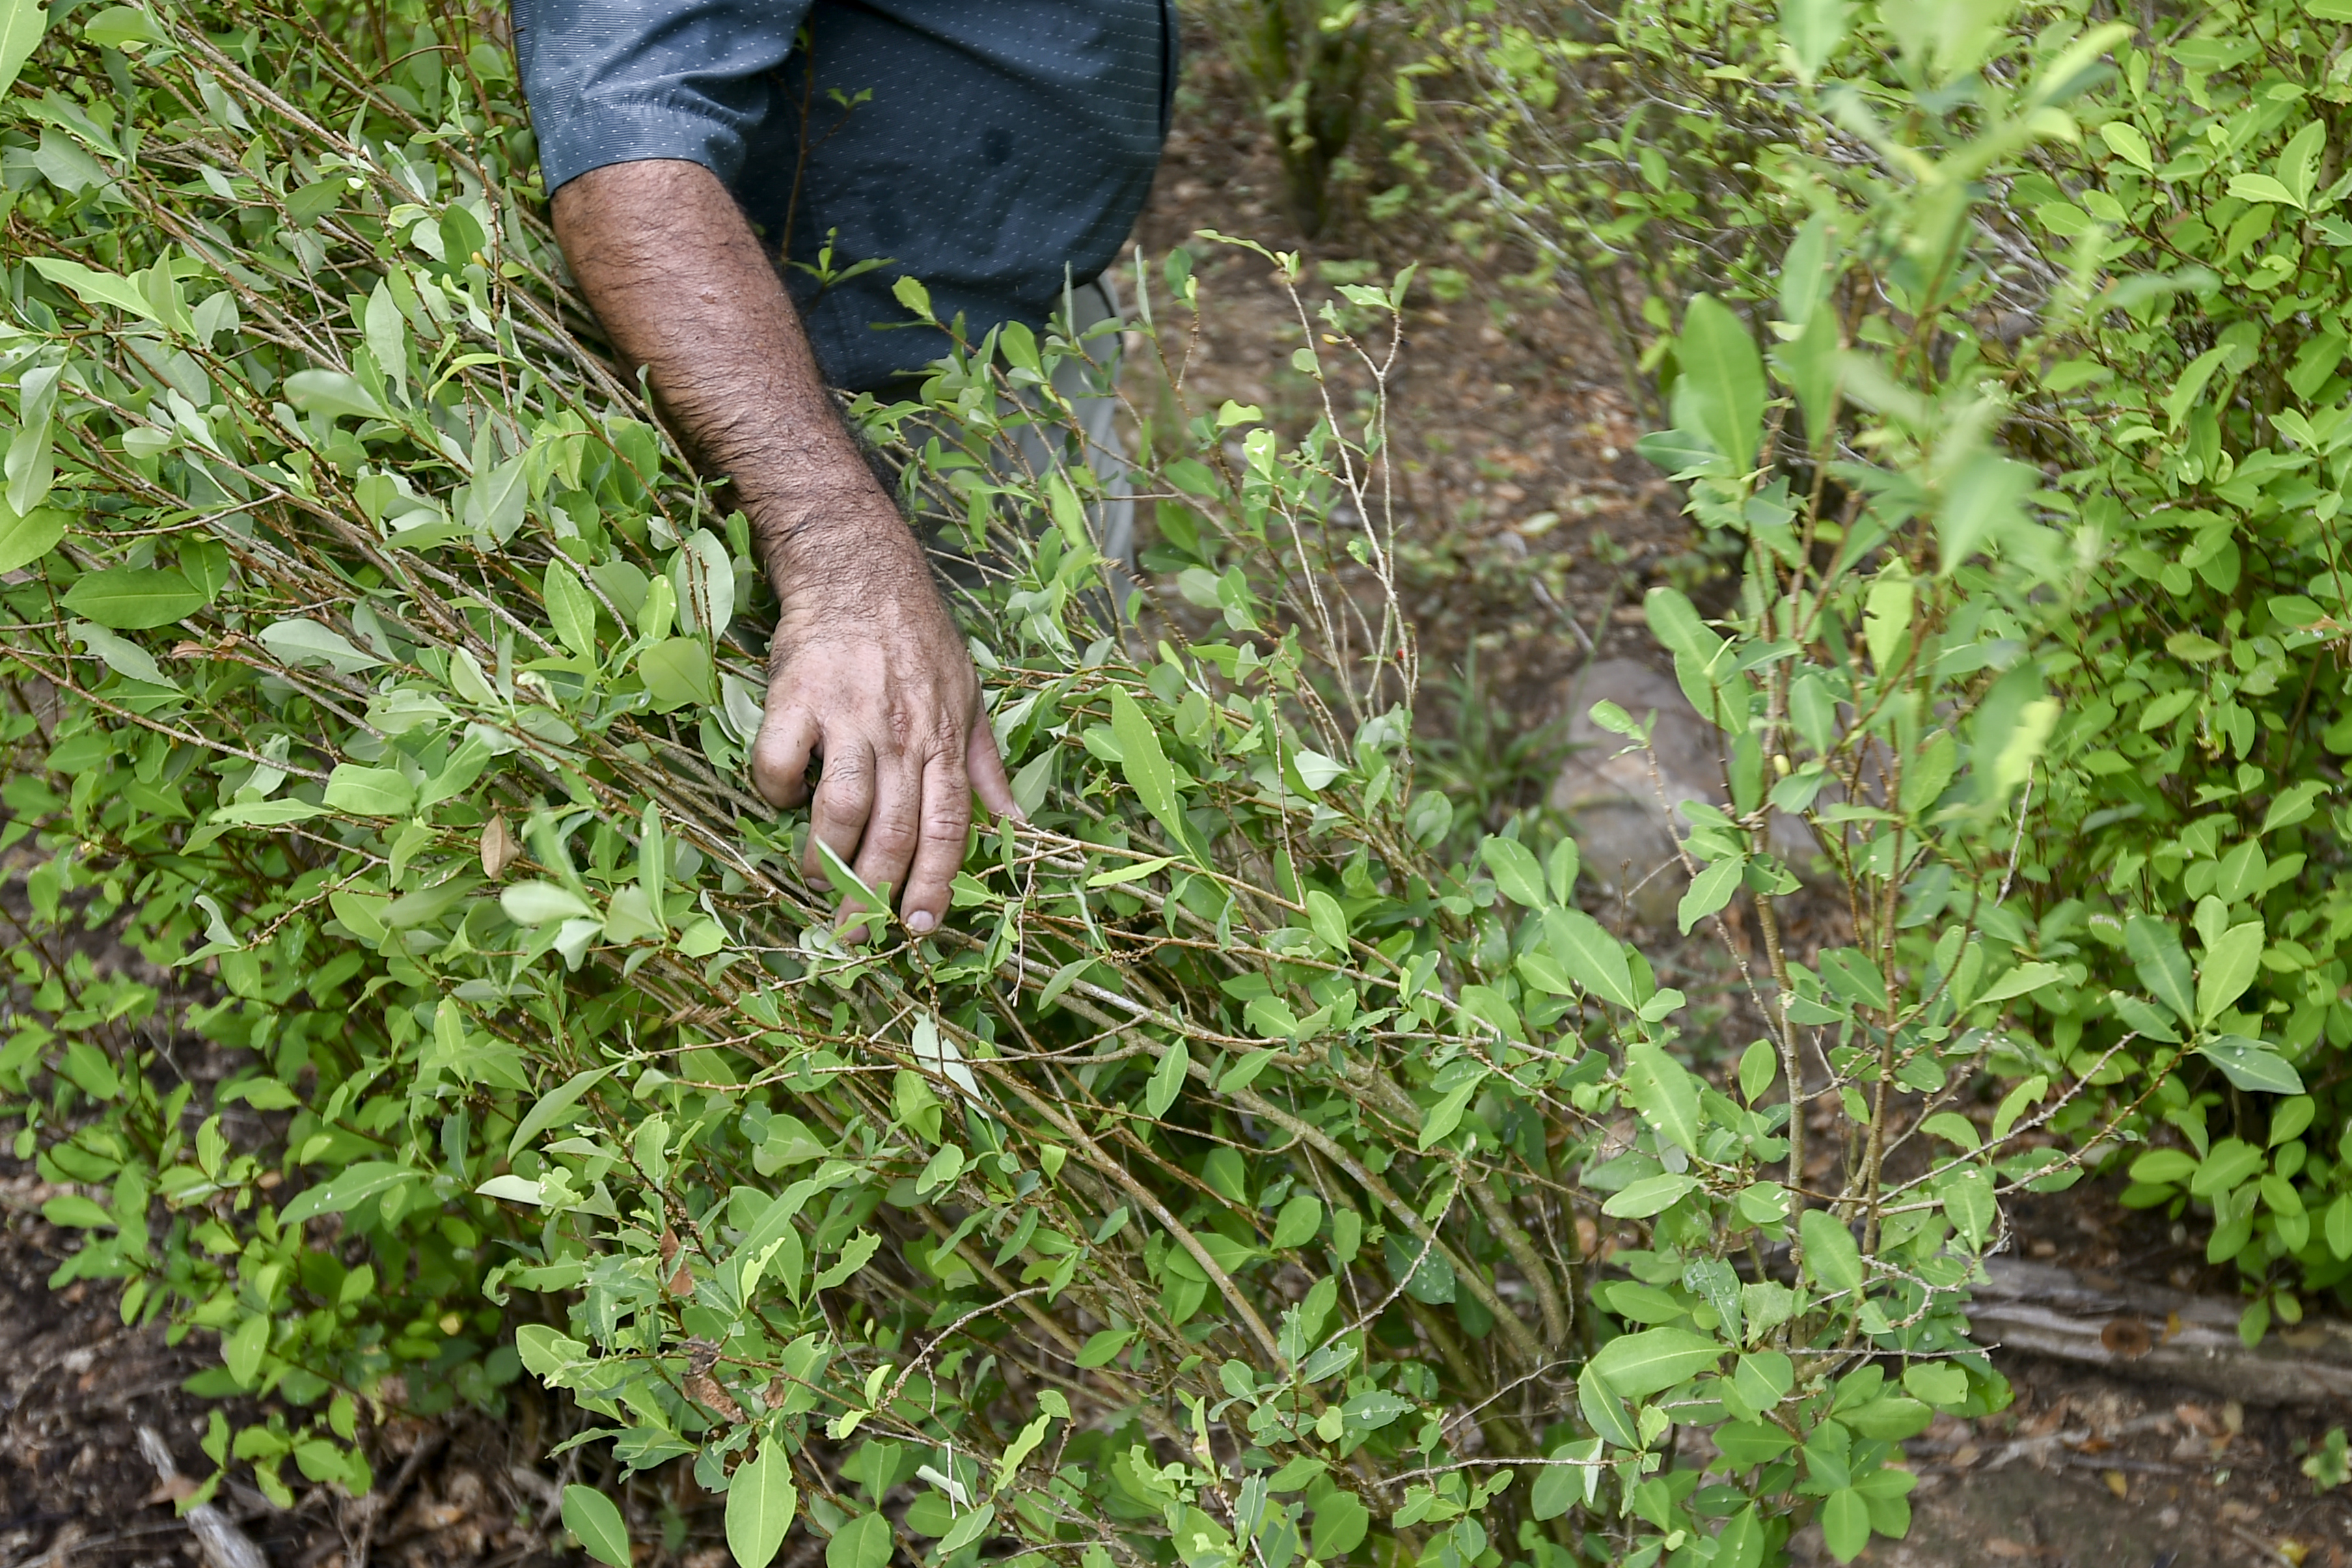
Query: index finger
940	848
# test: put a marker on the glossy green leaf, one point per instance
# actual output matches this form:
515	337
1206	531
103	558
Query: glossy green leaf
127	599
22	24
596	1520
760	1502
1722	378
1831	1256
1590	955
1515	870
26	540
1167	1081
1636	1365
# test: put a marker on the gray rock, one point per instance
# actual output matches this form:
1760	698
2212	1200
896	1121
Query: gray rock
1621	803
1618	801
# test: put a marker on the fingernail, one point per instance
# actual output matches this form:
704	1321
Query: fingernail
921	921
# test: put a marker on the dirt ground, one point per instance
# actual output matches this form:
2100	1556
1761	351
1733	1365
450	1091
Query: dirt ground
1533	530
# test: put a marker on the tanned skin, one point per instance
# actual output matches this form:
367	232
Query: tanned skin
867	673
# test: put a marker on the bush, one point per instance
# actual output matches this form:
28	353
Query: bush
1313	67
1233	1174
2152	316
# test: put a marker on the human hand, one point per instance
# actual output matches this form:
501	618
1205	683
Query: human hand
868	675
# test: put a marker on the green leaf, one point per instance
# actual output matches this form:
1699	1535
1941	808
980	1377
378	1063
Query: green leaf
2250	1065
1637	1365
1676	623
333	394
2232	1161
369	791
2014	1103
121	655
496	500
1969	1203
1147	770
554	1105
118	25
2023	980
1242	1073
760	1502
854	1257
2163	964
96	288
1101	1349
241	1350
1813	29
1709	891
20	33
75	1212
1341	1523
1373	1409
1316	771
2164	1166
1666	1093
1981	509
1516	870
1328	920
1300	1218
676	673
1566	1480
1954	1129
1166	1079
571	609
1722	380
129	598
544	1351
596	1520
1846	1523
1648	1195
537	903
2123	138
305	641
1831	1255
2291	805
1446	1115
1937	1382
1591	957
976	1524
2262	188
2229	967
1136	873
1745	1443
350	1187
26	540
1603	1411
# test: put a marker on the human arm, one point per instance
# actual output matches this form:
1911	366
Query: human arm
867	672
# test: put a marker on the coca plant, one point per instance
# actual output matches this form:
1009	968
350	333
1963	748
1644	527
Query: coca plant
1217	1184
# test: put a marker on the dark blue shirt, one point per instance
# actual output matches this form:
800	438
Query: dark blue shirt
990	148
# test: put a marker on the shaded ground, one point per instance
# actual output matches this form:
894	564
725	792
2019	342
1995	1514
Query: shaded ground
1533	531
2085	1471
1531	518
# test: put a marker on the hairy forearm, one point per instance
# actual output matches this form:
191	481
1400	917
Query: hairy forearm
682	288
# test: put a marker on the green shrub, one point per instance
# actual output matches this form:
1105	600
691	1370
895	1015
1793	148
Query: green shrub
2156	312
1212	1185
1313	67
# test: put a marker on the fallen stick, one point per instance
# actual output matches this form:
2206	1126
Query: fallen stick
2149	1332
223	1545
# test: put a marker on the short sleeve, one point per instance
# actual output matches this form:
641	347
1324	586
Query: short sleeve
610	81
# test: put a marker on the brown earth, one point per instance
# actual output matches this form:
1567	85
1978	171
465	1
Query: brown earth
1532	531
